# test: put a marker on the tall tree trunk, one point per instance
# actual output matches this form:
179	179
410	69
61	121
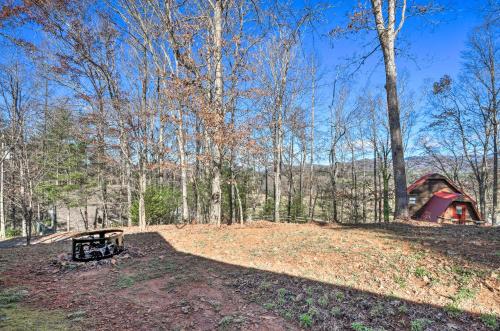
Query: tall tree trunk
482	196
277	168
198	175
303	158
375	156
387	36
266	186
380	195
2	213
398	162
183	165
27	219
232	211
495	171
54	218
240	207
142	192
68	220
216	200
96	217
385	194
494	103
290	182
129	193
363	184
311	160
22	189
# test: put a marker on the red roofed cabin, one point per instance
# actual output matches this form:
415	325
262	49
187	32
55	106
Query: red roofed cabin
435	198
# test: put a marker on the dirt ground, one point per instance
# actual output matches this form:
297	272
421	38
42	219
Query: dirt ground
261	276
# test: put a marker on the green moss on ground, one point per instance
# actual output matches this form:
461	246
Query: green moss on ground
15	317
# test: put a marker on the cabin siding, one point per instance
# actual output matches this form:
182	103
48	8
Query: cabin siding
450	211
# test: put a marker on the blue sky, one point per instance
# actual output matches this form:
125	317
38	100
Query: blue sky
430	50
431	47
436	48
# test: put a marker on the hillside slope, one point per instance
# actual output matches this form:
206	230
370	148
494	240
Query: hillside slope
264	276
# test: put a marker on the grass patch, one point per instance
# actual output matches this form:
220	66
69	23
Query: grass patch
125	281
401	281
269	305
147	270
77	316
452	309
225	322
305	320
15	317
490	321
156	268
464	293
265	285
287	314
421	272
463	275
420	324
336	312
403	309
339	296
282	292
9	297
358	326
324	300
20	318
377	310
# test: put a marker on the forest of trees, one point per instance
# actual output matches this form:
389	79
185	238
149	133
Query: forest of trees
140	112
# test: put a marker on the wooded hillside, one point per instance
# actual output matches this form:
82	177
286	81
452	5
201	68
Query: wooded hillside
129	112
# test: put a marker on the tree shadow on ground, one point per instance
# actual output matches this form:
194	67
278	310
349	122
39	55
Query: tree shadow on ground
474	244
160	288
299	301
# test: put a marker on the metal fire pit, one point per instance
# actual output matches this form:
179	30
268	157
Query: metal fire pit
97	245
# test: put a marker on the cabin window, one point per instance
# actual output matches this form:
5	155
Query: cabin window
459	210
412	200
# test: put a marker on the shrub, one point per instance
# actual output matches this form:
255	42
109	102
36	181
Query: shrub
11	232
161	204
268	208
297	208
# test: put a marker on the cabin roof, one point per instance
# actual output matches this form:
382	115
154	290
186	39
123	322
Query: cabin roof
424	178
436	206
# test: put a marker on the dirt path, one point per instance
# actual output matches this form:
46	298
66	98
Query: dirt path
48	239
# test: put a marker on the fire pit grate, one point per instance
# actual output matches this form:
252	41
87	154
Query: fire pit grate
97	245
